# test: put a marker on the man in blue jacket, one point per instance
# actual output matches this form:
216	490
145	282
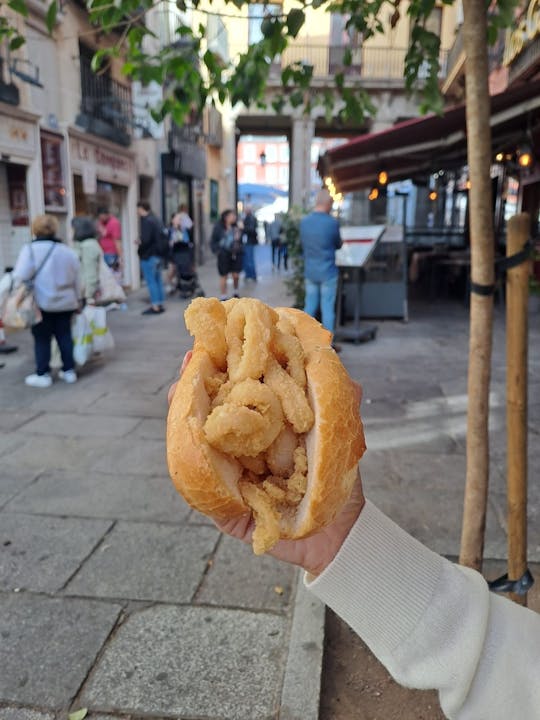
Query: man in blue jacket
320	238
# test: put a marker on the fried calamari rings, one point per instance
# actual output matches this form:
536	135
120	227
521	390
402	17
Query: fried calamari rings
289	352
248	422
280	454
267	529
247	333
293	398
205	320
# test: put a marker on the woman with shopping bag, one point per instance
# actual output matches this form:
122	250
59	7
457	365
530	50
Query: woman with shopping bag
90	254
54	271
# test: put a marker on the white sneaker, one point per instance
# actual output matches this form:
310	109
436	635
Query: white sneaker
40	381
68	376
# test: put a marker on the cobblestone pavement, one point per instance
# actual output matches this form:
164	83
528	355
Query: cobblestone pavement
116	597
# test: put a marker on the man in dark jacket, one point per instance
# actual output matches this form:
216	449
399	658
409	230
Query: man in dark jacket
152	246
250	233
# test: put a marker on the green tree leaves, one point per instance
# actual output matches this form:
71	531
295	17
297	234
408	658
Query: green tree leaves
192	74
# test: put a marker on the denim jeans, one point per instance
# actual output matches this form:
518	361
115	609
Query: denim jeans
151	268
111	259
323	295
59	325
249	262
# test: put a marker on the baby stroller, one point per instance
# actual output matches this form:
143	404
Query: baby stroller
187	281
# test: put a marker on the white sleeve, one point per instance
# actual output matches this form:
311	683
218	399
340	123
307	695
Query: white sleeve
434	624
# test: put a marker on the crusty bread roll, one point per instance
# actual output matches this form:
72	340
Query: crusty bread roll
264	419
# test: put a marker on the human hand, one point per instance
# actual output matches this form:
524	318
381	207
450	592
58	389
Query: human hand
313	553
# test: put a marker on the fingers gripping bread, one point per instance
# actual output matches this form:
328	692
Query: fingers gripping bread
264	419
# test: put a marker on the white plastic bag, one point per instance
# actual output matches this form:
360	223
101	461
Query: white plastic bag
110	290
101	335
81	333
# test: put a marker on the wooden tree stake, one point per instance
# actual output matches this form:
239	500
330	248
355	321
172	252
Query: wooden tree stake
517	293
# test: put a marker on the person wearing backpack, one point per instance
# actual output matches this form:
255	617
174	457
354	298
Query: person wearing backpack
153	248
54	270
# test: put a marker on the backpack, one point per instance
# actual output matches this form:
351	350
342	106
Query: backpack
161	239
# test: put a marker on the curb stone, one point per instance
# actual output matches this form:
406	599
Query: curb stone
300	695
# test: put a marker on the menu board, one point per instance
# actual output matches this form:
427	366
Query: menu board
358	244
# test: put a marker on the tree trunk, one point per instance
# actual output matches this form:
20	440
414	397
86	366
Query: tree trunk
482	273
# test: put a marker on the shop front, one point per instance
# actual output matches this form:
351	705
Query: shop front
104	177
431	153
183	172
21	195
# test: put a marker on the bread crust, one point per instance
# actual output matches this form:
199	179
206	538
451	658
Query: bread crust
207	478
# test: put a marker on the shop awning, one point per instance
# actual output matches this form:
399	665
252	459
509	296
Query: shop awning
414	148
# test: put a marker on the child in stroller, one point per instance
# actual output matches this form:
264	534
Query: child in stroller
186	277
182	256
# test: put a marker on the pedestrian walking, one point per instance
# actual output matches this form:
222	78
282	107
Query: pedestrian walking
110	238
89	252
274	234
226	244
153	245
283	248
54	270
251	241
320	238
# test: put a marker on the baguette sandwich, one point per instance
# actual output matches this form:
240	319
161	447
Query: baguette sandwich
264	420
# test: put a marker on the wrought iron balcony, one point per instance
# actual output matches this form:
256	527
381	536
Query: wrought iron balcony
368	63
106	107
9	92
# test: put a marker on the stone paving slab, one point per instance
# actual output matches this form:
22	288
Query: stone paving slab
143	561
13	480
10	421
150	429
99	495
9	442
50	452
140	405
143	457
192	662
48	646
430	489
42	553
11	713
74	425
67	398
238	578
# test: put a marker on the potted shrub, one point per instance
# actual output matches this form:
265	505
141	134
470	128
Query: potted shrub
291	231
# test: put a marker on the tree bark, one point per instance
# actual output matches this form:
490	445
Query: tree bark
482	273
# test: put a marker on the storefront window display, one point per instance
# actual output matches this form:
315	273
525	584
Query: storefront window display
176	192
18	198
54	190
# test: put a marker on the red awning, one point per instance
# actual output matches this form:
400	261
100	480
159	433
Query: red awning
415	148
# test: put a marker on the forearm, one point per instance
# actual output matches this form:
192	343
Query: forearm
433	624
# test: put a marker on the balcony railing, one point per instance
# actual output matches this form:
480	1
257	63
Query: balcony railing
368	63
106	107
455	54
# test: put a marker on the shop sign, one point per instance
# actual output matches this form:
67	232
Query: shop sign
89	179
527	30
17	137
92	161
